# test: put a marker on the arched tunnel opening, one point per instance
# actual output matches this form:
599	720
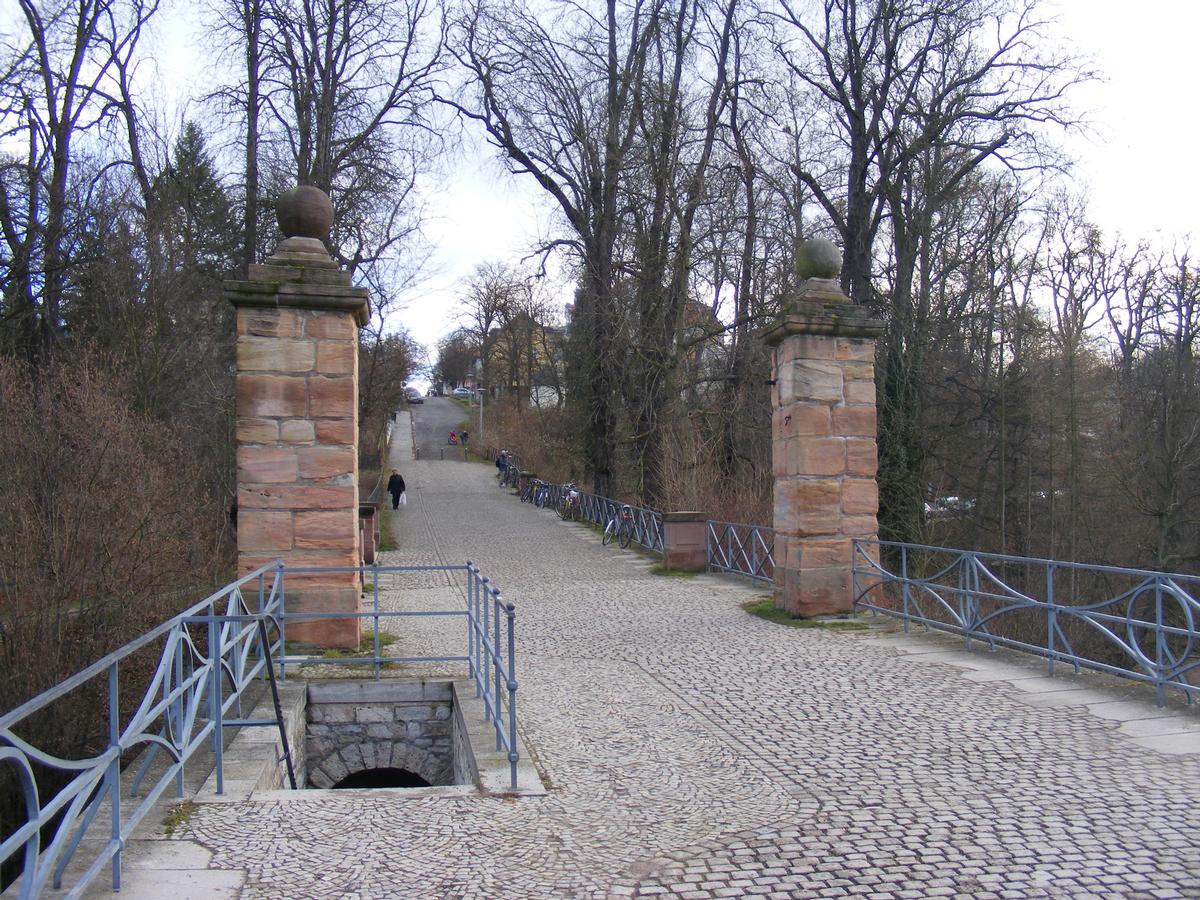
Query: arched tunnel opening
382	778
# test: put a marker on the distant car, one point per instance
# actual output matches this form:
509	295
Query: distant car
462	392
414	397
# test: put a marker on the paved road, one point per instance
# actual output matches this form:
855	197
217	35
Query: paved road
692	750
433	421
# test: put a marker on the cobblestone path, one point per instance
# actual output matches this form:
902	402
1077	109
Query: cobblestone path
693	750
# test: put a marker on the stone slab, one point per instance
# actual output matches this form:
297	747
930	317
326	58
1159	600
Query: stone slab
1166	725
1172	744
1125	710
1059	699
155	883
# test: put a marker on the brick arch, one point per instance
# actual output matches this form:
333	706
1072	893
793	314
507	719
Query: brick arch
362	757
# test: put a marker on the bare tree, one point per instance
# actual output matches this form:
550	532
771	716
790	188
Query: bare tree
58	80
560	100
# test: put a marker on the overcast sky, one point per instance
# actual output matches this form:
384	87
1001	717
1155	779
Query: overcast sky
1134	166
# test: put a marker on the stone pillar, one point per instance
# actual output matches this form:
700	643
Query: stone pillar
685	543
297	418
823	437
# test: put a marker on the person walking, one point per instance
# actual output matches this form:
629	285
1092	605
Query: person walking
395	487
462	438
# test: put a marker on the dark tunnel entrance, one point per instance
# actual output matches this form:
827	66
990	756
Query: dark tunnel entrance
382	778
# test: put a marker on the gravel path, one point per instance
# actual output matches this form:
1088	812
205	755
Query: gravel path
693	750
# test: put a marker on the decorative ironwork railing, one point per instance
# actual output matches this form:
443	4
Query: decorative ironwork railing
647	523
741	549
209	655
1129	622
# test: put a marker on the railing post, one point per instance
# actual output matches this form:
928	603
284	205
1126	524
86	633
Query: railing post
112	774
281	584
375	597
854	549
1051	618
496	662
485	678
904	585
215	711
962	598
1159	644
513	756
178	664
470	619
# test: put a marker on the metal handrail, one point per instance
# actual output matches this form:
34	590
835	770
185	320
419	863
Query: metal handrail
1145	629
741	549
190	697
167	718
490	655
648	523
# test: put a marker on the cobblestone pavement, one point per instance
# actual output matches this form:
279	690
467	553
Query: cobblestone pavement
693	750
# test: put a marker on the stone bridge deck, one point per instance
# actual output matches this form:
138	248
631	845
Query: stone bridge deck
693	750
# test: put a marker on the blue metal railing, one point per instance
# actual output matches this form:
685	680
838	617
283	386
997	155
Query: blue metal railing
1133	623
491	642
186	682
647	523
210	654
741	549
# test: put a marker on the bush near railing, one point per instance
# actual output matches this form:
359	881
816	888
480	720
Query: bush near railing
1130	622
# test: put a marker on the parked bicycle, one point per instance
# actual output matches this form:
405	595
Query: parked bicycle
541	494
529	492
621	527
570	506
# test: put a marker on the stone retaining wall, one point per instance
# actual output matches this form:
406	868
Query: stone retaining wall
356	726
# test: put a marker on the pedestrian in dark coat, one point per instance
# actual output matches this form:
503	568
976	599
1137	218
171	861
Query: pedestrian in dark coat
395	487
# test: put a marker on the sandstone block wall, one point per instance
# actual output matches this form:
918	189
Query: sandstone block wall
824	452
297	426
296	393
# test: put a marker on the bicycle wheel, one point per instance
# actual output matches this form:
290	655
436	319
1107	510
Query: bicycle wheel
563	510
626	533
609	531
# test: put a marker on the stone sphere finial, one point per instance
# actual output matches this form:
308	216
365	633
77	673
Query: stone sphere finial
305	211
818	258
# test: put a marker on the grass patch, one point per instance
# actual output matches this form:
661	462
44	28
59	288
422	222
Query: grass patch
672	573
366	647
178	817
386	541
765	608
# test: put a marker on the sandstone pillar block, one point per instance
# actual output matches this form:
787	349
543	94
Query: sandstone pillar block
685	544
296	399
823	437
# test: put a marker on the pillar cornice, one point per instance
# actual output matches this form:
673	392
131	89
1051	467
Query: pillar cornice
820	307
